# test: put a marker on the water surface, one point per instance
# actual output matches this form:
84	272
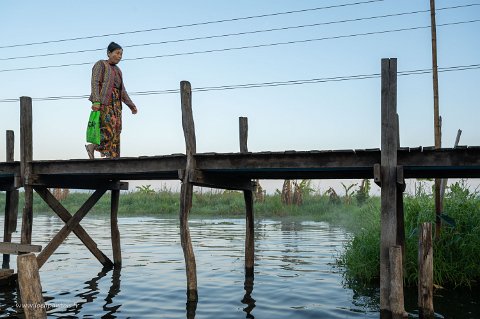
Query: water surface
295	273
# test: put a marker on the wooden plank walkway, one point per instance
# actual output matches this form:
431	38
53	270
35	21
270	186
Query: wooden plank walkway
418	162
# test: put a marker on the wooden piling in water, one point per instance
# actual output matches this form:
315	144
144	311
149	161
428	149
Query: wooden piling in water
388	176
396	283
186	190
11	202
30	287
116	248
425	271
26	156
248	196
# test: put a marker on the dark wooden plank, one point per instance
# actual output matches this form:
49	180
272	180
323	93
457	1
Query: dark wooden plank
159	165
206	179
69	227
78	230
75	182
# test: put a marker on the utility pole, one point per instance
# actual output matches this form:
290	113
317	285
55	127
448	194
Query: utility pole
436	117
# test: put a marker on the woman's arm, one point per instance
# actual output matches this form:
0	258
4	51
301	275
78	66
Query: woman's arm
126	99
96	84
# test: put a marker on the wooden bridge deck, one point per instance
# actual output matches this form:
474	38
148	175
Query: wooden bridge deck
419	162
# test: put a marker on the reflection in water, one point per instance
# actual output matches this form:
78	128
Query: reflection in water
247	298
90	294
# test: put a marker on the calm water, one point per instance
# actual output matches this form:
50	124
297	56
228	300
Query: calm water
295	274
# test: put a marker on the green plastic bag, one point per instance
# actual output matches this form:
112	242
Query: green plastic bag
93	128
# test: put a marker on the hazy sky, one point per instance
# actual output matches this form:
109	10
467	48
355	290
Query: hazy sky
312	116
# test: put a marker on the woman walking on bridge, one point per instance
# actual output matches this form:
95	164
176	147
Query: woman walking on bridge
108	93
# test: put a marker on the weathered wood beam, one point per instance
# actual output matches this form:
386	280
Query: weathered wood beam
11	202
30	287
248	196
75	182
396	283
13	248
425	271
186	190
115	232
78	230
206	179
26	157
389	144
69	227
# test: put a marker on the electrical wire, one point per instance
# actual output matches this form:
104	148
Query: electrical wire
267	84
241	33
248	47
193	24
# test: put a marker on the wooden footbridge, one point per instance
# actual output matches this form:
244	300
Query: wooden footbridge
388	166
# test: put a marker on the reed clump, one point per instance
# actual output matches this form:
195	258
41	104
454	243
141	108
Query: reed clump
455	251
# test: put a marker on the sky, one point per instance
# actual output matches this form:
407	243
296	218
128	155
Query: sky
310	116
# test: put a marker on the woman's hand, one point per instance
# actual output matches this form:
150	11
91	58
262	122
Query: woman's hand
134	110
95	107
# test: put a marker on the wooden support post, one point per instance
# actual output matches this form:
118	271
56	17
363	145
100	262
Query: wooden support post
186	191
11	202
400	213
116	248
389	144
248	196
243	125
425	271
69	227
26	155
30	287
396	283
79	231
444	181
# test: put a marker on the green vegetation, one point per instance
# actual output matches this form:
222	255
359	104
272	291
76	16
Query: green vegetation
455	253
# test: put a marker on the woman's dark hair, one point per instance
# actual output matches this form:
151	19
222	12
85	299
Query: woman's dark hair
113	46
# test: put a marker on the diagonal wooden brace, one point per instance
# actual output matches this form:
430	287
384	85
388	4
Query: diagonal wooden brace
71	224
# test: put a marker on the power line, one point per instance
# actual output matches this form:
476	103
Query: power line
242	33
193	24
249	46
268	84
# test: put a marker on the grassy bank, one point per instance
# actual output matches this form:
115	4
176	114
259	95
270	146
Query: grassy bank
208	204
455	253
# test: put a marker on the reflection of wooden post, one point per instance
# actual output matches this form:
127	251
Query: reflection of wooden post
30	287
396	283
389	144
186	191
26	155
425	271
117	252
11	203
248	196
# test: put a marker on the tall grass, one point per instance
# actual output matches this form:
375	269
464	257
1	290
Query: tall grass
455	253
